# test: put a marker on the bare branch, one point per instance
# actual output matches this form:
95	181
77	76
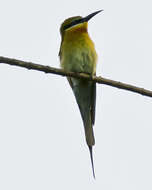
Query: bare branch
100	80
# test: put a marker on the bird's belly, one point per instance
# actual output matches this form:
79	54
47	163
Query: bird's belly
82	61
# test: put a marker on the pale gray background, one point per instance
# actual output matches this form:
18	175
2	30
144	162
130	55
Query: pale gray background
42	144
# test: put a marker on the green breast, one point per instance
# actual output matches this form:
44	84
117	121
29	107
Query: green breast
78	54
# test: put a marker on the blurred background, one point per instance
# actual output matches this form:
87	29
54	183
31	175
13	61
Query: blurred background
42	143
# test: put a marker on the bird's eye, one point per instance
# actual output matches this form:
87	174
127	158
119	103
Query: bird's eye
73	23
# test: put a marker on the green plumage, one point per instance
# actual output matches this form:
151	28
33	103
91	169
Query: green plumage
77	54
84	92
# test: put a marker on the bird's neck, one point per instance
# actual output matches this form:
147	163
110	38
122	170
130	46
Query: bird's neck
76	32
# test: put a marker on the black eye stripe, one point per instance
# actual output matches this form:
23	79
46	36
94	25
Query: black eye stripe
81	20
75	22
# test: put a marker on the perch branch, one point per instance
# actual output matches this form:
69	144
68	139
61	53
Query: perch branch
100	80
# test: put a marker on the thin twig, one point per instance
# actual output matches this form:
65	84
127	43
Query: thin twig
100	80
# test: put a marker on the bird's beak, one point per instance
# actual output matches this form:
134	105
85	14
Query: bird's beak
81	20
87	18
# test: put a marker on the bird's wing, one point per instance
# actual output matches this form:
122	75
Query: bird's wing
93	99
70	82
93	102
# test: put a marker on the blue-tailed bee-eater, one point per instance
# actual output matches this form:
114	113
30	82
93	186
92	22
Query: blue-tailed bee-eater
77	54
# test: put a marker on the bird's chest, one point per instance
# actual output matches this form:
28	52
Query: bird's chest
78	56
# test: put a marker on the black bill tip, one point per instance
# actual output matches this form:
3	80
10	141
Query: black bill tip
87	18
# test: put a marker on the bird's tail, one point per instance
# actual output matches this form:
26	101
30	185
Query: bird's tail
90	140
84	92
92	163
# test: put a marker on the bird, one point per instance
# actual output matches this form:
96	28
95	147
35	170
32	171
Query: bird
77	54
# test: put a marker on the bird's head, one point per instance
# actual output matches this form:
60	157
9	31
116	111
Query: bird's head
76	23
